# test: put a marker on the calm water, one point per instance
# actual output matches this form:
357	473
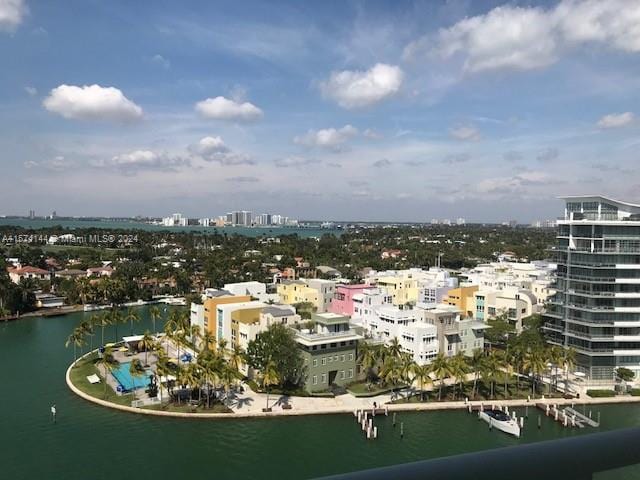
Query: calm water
249	232
89	441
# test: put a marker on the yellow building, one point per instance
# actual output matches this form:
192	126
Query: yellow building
296	291
210	309
463	299
403	289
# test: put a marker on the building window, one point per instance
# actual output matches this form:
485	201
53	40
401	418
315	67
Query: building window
342	358
315	362
335	359
315	379
324	378
350	356
324	361
342	375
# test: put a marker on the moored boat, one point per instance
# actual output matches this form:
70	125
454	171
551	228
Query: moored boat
501	421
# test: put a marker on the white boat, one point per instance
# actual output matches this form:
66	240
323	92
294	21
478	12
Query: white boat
501	421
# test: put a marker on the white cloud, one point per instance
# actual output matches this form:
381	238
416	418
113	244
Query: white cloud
515	184
382	163
161	61
524	38
91	102
615	22
295	162
213	149
12	13
32	91
56	164
355	88
221	108
327	138
372	134
616	120
465	132
137	160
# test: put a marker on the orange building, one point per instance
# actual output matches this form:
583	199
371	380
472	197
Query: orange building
211	307
462	298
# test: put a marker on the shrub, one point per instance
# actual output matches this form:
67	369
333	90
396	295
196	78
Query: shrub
601	393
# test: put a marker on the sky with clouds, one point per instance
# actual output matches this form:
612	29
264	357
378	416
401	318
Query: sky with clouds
388	111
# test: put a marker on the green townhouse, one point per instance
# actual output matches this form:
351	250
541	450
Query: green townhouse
329	350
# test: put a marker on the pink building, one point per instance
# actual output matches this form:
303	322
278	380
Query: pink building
342	303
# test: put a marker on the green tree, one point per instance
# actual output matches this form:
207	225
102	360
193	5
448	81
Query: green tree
154	313
147	342
277	344
625	374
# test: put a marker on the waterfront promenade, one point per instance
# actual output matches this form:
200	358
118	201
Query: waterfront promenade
250	404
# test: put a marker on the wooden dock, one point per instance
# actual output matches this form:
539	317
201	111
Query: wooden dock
569	416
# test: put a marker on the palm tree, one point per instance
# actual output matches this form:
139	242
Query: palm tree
534	363
476	366
391	370
270	377
490	367
162	370
116	318
136	370
556	356
169	331
222	348
421	375
109	364
86	329
228	378
458	368
84	288
154	313
208	340
76	338
517	359
394	349
367	359
195	334
507	369
132	316
236	357
147	342
103	321
568	362
440	368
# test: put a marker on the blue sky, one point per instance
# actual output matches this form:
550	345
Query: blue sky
401	111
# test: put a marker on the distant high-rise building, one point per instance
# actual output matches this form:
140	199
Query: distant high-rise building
461	221
435	221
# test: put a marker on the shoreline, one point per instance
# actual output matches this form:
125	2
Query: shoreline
395	407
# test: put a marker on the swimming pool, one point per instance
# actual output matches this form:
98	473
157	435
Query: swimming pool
126	381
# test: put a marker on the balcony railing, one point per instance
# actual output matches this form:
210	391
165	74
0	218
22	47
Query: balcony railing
576	458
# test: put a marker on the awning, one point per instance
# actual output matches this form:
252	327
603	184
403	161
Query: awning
134	338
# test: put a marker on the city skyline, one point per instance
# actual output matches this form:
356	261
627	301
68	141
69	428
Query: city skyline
410	111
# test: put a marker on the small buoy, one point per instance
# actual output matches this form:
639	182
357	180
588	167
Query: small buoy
375	432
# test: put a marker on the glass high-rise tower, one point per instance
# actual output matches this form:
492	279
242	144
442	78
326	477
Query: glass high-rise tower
596	307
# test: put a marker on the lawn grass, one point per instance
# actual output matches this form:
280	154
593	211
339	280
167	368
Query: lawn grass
361	389
86	367
185	408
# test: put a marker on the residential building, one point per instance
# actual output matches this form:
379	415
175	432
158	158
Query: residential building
342	303
206	317
28	272
516	303
228	315
175	220
329	352
284	314
296	291
256	290
596	307
463	299
326	291
455	334
410	286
